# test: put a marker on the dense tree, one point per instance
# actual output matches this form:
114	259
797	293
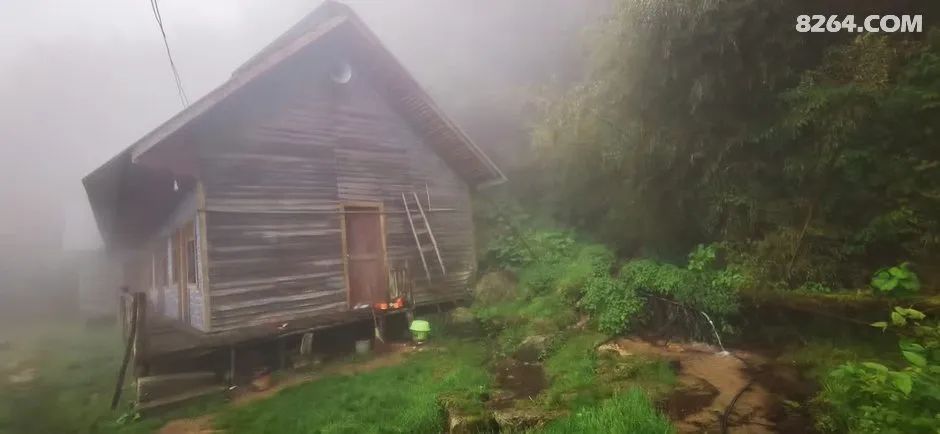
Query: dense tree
811	157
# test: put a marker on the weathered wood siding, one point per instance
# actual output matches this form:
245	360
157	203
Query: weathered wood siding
296	145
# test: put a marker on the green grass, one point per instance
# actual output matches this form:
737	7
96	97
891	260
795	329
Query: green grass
511	322
627	413
397	399
572	373
819	355
76	368
579	377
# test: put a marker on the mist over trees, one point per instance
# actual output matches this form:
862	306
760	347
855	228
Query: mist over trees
810	158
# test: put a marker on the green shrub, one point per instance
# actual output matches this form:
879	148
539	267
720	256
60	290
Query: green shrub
871	397
540	277
896	280
517	248
612	303
591	261
714	292
702	258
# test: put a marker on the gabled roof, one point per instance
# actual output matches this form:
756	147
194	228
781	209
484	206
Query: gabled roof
448	140
123	175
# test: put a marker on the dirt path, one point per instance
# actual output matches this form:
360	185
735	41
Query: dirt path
390	356
708	381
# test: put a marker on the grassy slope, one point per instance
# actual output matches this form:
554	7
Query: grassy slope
401	398
598	391
71	394
626	413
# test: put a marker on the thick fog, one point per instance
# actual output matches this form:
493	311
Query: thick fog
80	81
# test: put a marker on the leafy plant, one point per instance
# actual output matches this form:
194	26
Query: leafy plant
714	292
897	279
591	261
702	257
613	304
871	397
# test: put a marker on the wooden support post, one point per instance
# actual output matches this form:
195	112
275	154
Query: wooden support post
142	342
383	327
231	365
281	353
128	349
306	344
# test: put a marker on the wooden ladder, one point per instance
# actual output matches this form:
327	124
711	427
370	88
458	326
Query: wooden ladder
422	234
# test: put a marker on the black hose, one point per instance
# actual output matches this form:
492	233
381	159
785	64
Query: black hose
724	416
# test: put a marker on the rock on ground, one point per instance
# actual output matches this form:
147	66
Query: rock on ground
495	287
533	348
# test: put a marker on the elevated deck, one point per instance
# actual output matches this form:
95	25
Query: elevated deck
159	336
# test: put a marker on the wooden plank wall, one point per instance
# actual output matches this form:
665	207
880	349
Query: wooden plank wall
296	146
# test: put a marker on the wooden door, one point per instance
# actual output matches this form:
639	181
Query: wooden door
365	255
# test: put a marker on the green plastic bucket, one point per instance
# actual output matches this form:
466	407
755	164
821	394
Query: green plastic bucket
420	330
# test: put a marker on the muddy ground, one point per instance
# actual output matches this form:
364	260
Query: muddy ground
767	395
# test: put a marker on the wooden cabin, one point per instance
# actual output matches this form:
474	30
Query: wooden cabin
318	182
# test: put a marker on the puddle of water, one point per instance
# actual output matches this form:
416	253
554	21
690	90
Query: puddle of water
785	383
515	381
688	401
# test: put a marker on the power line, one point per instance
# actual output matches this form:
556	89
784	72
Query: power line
176	75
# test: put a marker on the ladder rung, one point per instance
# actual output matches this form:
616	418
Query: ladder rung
427	249
421	231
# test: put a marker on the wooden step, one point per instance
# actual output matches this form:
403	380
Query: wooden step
169	402
157	387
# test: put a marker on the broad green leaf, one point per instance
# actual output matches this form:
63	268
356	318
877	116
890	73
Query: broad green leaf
915	358
875	366
911	283
883	325
897	272
915	314
898	319
880	280
903	382
911	346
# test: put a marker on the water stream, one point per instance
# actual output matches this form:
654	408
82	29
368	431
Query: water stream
717	337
